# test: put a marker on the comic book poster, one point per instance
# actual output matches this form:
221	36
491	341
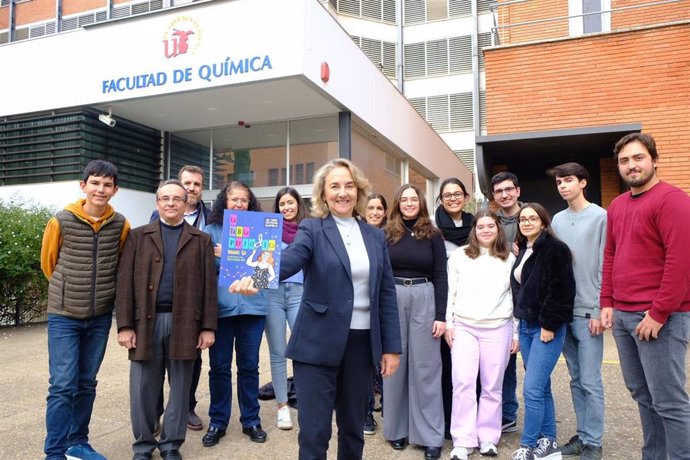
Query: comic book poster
250	246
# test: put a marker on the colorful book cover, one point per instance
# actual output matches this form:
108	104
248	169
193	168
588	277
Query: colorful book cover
250	246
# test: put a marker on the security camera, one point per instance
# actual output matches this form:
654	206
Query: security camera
107	119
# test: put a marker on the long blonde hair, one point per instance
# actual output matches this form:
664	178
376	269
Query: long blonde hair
319	208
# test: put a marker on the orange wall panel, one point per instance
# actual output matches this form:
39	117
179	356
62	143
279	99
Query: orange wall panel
70	7
34	11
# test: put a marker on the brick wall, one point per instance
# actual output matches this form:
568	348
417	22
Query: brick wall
610	180
654	14
533	10
638	76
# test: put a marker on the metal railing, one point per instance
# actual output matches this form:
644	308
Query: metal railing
497	28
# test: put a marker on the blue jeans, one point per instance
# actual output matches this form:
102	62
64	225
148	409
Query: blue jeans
583	353
244	333
283	304
654	373
510	400
75	351
540	359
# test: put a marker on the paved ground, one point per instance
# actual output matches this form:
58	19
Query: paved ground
24	383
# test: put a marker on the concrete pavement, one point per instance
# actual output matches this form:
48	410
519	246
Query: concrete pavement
24	386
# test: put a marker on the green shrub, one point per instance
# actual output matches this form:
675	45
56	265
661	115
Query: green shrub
23	286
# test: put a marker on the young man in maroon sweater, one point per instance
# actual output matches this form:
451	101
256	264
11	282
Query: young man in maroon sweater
645	296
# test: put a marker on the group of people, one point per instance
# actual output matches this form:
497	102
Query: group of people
438	308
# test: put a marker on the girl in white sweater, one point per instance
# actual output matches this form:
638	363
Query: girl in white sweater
481	333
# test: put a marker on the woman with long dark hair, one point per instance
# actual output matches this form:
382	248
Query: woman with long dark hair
543	287
414	408
376	212
283	302
455	225
241	321
376	215
481	333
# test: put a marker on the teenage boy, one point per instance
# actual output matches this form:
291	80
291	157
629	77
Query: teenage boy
645	296
582	226
79	256
506	191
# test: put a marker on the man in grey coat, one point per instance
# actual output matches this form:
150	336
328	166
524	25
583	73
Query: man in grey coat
166	309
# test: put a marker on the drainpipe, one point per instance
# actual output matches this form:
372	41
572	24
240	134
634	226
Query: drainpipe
58	16
399	51
12	22
476	122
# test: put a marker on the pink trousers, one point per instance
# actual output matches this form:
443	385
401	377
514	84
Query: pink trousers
484	352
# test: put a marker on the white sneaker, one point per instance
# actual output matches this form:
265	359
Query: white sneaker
460	453
284	420
488	448
523	453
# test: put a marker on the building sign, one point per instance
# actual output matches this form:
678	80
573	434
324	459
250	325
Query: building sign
181	37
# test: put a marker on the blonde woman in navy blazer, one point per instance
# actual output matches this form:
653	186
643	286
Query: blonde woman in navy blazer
348	318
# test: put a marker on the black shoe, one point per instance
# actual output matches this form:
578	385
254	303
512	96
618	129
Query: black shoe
212	436
399	444
369	424
171	455
432	453
255	433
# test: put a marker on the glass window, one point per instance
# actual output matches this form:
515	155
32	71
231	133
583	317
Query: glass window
382	168
57	146
313	142
247	153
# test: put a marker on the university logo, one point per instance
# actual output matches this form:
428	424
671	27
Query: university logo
182	36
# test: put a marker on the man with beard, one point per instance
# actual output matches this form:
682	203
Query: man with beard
645	296
195	214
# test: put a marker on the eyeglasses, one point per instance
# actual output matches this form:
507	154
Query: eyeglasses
507	191
456	195
238	200
530	219
174	199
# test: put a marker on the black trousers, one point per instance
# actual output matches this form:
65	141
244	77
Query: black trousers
345	388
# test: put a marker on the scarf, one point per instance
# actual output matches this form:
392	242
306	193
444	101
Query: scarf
456	235
289	231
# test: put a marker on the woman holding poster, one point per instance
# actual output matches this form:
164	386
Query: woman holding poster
241	321
348	317
283	303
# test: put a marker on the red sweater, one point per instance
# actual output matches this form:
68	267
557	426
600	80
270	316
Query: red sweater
647	255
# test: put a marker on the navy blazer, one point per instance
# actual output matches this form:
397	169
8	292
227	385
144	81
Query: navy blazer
322	325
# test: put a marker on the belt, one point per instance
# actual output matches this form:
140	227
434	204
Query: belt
409	281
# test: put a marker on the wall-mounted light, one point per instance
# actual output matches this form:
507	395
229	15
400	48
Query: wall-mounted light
107	118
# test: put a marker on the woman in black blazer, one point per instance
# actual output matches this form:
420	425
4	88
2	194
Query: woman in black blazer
348	318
